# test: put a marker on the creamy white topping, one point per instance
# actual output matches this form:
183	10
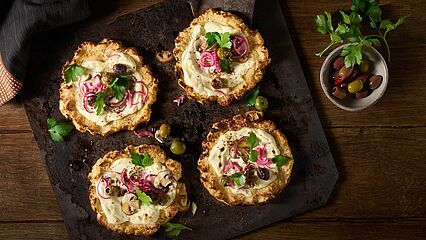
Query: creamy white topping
199	78
220	155
96	67
146	214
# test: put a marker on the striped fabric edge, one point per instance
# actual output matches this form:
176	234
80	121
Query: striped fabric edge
9	85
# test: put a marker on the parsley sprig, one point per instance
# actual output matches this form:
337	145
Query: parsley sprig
143	197
222	39
144	160
99	104
349	30
58	130
280	160
119	86
239	178
72	72
250	99
253	142
174	229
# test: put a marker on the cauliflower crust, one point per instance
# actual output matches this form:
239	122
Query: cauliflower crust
257	52
96	51
158	155
211	180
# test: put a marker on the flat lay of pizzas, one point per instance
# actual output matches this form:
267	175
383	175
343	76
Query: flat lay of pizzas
164	123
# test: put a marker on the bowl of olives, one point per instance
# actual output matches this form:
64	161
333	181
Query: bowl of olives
358	87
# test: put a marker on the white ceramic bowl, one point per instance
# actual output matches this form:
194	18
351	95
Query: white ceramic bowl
377	66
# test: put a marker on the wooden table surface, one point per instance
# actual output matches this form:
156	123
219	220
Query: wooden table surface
380	152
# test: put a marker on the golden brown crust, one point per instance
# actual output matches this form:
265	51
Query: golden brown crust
257	52
97	51
210	179
158	155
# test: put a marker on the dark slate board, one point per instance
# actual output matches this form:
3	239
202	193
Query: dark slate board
150	30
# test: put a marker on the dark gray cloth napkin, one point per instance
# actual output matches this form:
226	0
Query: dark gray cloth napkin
21	19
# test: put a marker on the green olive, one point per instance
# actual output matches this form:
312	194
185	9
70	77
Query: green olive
221	53
364	66
177	147
164	130
355	86
261	103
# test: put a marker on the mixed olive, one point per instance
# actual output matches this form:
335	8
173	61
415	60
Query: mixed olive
356	81
261	103
163	136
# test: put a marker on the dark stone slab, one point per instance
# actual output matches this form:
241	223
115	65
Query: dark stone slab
150	30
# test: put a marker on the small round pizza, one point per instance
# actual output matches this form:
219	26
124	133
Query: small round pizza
107	88
245	160
135	190
219	58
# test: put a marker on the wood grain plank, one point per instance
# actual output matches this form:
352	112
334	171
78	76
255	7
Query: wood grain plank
341	230
26	193
283	230
13	117
34	231
381	176
381	173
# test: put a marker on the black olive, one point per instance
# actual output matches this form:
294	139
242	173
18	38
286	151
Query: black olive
119	69
263	173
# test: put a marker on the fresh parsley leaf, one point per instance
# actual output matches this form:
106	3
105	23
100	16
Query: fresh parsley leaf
323	23
224	40
364	7
100	102
375	14
51	123
334	37
72	72
342	29
143	197
353	18
387	25
224	65
280	160
253	155
250	99
211	38
352	54
239	178
372	41
58	130
252	140
174	229
119	86
144	160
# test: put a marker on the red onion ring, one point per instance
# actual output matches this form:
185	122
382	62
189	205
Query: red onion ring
240	47
207	59
145	98
98	189
143	133
220	92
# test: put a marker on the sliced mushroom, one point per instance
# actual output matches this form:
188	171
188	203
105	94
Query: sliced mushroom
200	44
217	82
112	190
182	198
163	179
164	56
129	203
243	150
